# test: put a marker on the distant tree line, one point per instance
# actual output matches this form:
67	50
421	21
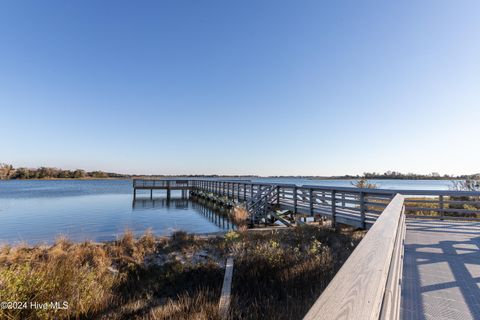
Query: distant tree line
7	171
413	176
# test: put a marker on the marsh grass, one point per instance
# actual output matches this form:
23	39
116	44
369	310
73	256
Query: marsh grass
277	275
433	203
287	270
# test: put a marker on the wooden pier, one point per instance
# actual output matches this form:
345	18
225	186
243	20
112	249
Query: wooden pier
168	185
346	205
441	253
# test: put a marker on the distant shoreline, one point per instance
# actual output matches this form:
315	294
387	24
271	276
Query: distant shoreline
8	172
223	177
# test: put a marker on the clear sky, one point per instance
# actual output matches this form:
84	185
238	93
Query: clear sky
241	87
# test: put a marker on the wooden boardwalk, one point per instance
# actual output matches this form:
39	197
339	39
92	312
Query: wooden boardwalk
441	273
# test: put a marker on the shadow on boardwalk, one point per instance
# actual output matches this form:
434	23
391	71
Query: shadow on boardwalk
441	270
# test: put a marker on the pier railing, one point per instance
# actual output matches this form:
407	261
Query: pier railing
161	183
349	205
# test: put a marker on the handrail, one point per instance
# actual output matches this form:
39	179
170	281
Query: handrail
356	204
359	289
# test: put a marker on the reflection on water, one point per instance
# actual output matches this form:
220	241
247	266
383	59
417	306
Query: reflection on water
142	204
220	218
216	215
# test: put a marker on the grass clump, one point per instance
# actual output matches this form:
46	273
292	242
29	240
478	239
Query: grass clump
77	274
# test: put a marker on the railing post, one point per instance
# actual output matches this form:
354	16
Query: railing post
295	199
442	206
334	209
244	192
362	209
311	201
278	195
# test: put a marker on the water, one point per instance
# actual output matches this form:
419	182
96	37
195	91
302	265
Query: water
36	211
382	184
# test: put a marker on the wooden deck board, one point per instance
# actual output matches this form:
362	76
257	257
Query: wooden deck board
441	275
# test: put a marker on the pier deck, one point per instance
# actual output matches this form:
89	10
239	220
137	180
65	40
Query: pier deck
441	272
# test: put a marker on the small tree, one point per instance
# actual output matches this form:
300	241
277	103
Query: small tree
6	170
363	183
79	174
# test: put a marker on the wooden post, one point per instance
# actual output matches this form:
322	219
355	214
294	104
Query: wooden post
134	194
278	195
251	191
151	194
311	201
295	199
441	205
333	201
362	209
224	303
244	192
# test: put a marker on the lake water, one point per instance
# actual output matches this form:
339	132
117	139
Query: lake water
36	211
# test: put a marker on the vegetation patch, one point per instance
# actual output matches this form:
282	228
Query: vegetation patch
277	275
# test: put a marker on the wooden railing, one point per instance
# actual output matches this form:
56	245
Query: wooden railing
368	286
161	183
348	205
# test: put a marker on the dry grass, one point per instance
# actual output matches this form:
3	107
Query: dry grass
84	275
427	204
240	217
77	274
277	275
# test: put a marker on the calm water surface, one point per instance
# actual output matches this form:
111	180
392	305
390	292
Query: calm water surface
37	211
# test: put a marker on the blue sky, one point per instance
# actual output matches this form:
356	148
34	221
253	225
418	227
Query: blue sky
241	87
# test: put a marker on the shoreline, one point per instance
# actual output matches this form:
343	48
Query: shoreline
224	177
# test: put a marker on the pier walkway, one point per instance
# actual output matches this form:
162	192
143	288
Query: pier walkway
441	271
